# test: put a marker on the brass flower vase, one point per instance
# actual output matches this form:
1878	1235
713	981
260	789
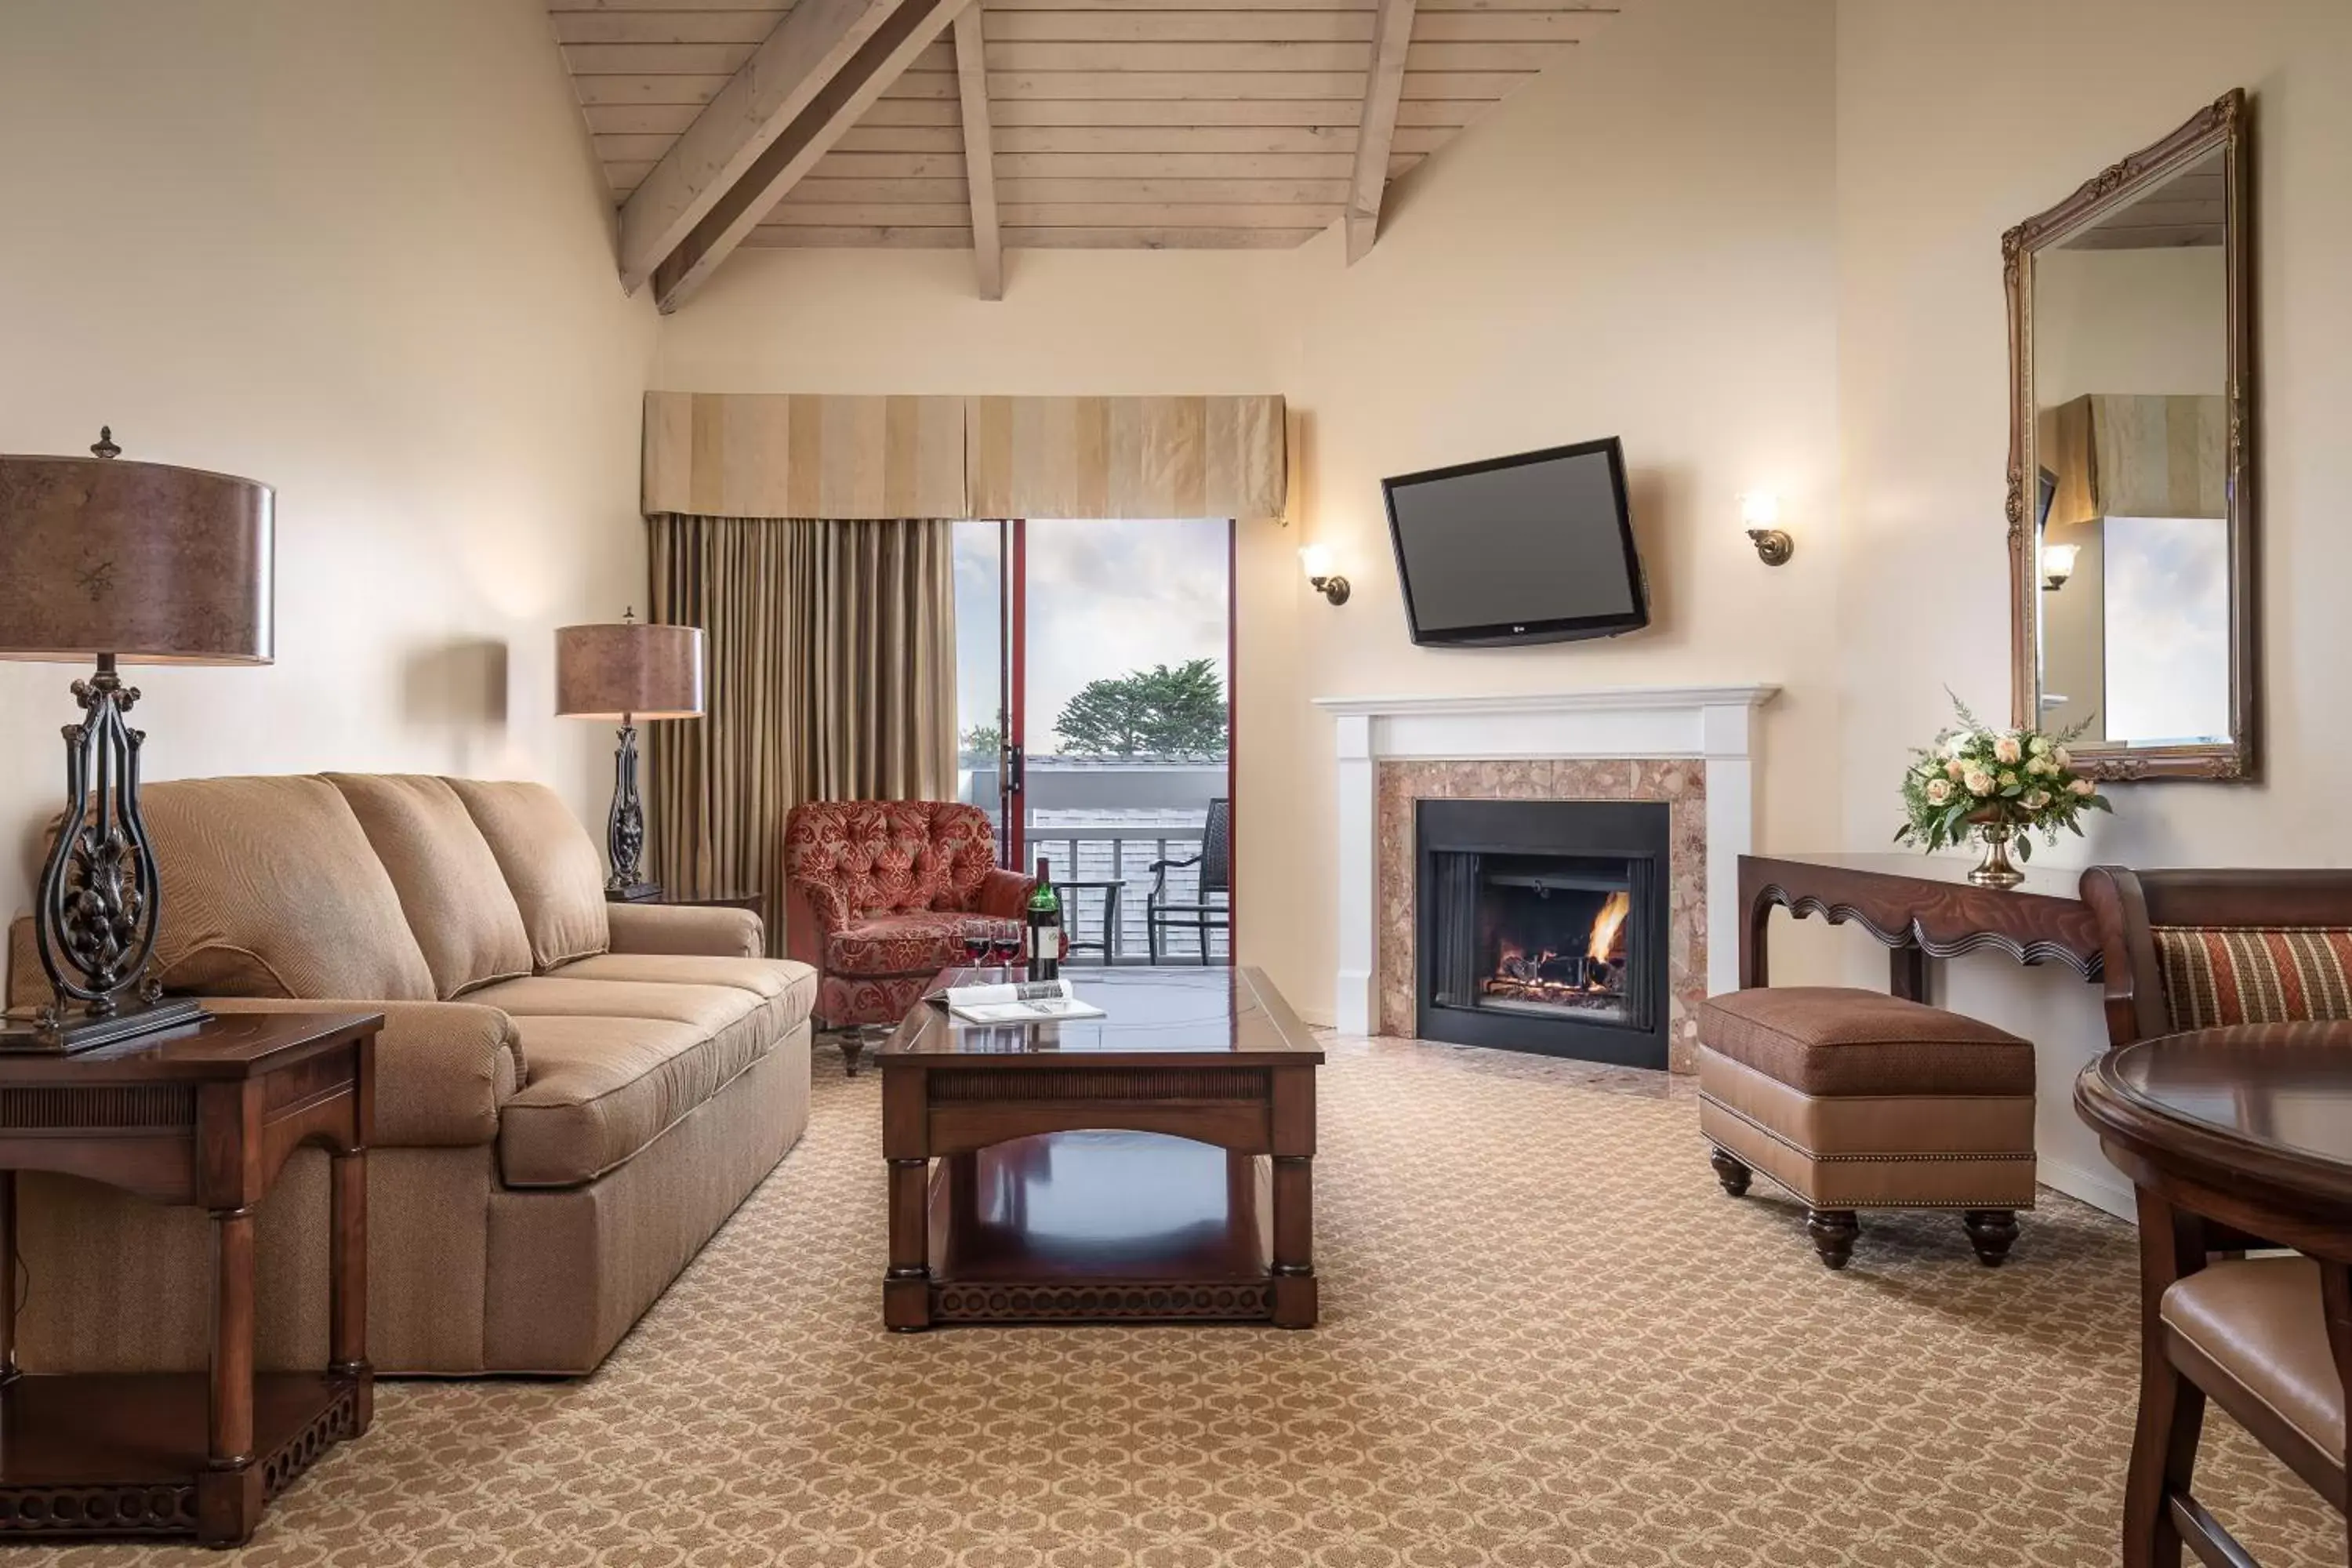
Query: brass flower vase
1996	870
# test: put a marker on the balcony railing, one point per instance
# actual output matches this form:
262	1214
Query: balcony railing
1097	852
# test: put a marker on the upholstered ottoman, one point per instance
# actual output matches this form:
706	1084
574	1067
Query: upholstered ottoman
1852	1100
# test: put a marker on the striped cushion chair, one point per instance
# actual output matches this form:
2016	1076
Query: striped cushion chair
2209	950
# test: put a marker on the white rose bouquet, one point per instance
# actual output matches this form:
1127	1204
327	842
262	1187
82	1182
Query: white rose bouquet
1998	785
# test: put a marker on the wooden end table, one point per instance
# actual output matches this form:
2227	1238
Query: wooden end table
204	1115
1153	1165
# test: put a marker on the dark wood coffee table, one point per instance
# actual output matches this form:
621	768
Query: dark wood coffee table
1154	1165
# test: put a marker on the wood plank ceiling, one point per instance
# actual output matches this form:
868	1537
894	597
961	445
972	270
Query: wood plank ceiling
1111	123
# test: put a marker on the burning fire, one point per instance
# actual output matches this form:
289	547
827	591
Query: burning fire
1608	922
1594	978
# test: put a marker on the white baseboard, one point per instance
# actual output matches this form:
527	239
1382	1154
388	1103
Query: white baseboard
2100	1189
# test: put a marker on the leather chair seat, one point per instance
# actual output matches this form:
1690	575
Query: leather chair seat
1827	1040
2251	1333
917	942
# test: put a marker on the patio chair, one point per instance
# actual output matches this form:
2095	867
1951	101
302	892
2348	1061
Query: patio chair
1217	880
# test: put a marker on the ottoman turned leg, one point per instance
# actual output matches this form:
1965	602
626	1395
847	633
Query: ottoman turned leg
1730	1171
1832	1231
1991	1232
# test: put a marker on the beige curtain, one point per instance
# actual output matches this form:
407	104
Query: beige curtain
831	677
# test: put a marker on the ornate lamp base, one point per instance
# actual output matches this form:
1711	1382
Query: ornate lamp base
95	913
624	829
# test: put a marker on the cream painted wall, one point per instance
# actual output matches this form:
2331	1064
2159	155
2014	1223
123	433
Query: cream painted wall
356	248
1639	244
1954	122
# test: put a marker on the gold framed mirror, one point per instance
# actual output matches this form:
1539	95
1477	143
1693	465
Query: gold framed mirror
2131	434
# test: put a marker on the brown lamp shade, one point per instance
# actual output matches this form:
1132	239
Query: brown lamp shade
152	563
628	670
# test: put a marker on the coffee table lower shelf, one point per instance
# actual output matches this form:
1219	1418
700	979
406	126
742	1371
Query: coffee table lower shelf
1101	1227
123	1454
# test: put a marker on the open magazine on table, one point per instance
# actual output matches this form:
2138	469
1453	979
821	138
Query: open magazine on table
1016	1002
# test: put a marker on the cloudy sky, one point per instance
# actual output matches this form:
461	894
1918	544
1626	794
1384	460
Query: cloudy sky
1105	597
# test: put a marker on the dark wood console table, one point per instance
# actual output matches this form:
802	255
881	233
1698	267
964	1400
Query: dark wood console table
1922	906
207	1116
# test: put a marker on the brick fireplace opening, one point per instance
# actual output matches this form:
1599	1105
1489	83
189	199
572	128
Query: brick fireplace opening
1543	926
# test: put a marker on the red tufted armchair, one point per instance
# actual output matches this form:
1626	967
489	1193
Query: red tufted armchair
878	895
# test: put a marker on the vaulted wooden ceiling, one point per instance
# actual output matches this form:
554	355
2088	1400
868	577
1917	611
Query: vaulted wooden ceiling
994	124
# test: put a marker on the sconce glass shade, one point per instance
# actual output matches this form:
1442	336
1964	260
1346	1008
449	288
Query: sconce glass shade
2058	564
1316	559
1759	508
152	563
628	670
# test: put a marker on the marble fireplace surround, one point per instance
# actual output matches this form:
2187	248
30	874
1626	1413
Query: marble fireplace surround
1689	746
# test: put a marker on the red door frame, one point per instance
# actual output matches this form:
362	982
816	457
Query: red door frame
1013	640
1015	699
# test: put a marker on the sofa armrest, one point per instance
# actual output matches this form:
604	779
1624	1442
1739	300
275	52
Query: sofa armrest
442	1068
1005	893
711	930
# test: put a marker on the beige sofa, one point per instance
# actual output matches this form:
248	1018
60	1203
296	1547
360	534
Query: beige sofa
571	1096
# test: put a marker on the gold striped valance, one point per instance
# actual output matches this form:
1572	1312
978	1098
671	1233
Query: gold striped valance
2136	456
793	455
807	455
1124	457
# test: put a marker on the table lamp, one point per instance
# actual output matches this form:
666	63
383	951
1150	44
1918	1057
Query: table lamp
118	563
627	671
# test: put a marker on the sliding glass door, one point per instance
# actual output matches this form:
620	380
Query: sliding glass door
1094	671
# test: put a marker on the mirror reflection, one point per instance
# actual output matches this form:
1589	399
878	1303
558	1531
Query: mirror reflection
2130	337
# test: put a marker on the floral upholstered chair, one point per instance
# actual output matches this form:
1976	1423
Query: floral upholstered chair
879	896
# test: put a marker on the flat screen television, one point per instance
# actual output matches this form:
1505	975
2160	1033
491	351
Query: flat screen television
1535	548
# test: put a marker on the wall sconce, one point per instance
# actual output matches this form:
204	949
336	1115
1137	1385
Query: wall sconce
1316	559
1761	510
2057	565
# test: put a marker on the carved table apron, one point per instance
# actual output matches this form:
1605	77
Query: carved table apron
1921	907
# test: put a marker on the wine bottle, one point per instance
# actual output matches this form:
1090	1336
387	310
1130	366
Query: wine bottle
1044	928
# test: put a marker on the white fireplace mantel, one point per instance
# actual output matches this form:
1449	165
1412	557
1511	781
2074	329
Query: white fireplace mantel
1712	723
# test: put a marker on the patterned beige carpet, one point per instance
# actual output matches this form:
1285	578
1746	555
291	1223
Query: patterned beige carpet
1549	1340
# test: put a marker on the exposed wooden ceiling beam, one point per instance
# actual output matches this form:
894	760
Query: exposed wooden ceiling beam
807	50
1384	90
906	32
979	152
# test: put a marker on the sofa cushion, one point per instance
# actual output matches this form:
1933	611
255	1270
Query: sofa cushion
1832	1040
449	883
916	944
271	889
767	978
602	1087
550	867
